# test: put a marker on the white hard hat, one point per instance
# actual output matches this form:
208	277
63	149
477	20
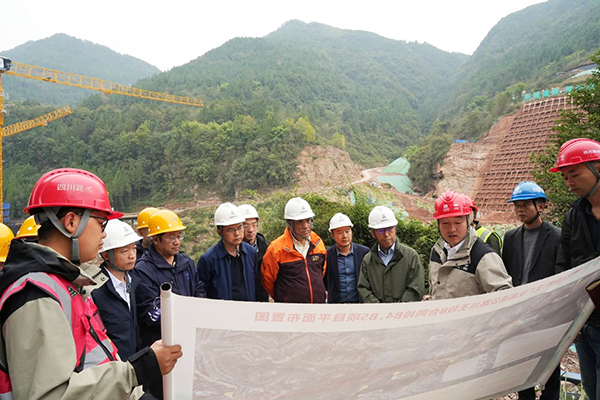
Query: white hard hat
118	234
228	214
248	211
339	220
382	217
297	209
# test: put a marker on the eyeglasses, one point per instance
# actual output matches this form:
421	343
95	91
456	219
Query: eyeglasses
383	230
174	238
252	225
103	223
240	228
103	219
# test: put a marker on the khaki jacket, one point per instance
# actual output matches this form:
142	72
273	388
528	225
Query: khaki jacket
462	276
39	349
401	280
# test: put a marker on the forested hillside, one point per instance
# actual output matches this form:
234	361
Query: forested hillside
267	98
351	84
66	53
527	50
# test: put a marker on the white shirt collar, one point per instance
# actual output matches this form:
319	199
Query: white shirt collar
453	250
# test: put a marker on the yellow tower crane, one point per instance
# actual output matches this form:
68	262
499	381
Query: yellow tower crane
65	78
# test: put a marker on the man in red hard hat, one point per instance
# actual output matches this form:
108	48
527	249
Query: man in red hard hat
461	264
54	343
579	164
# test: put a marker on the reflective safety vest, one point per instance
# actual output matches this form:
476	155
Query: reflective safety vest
484	235
92	345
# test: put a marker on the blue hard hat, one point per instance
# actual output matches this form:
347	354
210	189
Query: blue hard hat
528	190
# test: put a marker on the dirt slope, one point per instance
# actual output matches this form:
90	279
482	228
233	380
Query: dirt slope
466	163
322	166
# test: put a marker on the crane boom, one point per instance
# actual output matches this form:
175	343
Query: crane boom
32	123
10	67
86	82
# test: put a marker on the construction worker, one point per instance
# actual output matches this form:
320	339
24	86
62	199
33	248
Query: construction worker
579	164
54	345
115	296
343	261
142	228
295	262
228	268
489	236
529	254
163	263
461	264
28	230
6	236
257	240
391	271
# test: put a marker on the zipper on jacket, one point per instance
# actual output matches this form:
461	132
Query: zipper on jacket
97	339
308	277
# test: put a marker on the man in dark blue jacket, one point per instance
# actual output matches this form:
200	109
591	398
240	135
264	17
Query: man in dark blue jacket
343	262
163	263
228	268
115	296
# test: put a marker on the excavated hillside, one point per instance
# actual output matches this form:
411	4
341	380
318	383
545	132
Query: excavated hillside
466	163
323	166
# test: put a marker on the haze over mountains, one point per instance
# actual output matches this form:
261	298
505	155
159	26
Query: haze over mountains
300	85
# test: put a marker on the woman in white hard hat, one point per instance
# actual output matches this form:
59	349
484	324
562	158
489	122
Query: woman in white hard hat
115	298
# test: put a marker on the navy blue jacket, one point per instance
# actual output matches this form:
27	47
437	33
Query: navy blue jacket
153	270
119	321
214	271
332	273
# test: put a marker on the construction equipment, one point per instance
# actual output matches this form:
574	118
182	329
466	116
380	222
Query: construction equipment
9	67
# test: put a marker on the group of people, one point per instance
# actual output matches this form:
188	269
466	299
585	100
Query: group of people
72	329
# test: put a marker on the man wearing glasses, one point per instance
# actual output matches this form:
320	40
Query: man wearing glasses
163	263
54	343
390	272
255	239
228	268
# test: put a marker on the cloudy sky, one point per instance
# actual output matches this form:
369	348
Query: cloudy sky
173	32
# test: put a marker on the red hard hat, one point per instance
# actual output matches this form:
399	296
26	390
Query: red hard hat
471	203
577	151
71	187
451	204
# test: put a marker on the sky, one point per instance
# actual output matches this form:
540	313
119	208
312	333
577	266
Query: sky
173	32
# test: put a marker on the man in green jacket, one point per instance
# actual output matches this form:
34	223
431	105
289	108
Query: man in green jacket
390	272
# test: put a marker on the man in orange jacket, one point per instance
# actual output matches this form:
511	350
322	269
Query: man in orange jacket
295	262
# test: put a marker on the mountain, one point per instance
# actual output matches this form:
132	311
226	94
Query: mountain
354	84
68	54
531	46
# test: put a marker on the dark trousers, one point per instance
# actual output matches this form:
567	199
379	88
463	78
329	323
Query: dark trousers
551	390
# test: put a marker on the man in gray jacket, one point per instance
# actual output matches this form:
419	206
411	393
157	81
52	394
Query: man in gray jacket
390	272
461	264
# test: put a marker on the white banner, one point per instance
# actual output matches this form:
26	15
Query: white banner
469	348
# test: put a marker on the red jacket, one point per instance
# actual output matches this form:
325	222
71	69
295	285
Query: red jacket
290	278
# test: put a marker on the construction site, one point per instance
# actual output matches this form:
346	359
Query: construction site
501	158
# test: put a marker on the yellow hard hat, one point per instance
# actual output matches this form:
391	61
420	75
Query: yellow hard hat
28	229
164	221
6	235
144	217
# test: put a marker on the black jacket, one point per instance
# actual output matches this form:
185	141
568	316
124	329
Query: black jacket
544	253
261	293
119	320
576	246
332	273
